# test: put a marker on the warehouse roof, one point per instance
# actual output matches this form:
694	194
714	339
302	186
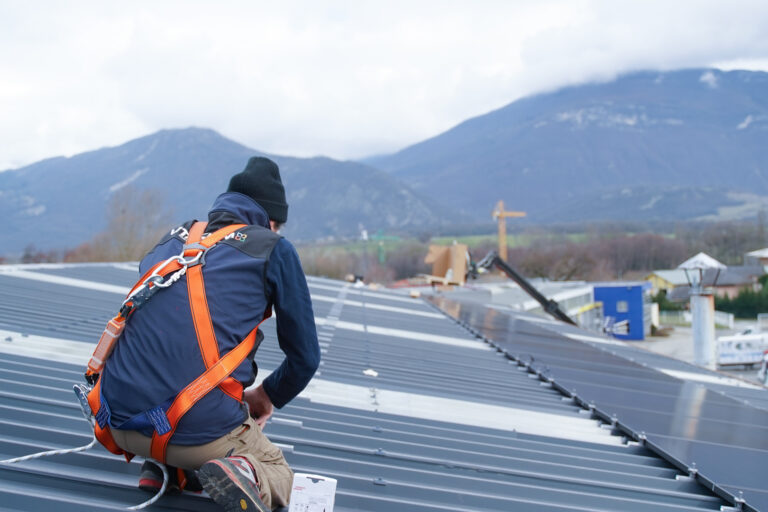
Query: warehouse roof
409	411
760	253
676	277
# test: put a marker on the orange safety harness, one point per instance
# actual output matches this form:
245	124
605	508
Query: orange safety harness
218	369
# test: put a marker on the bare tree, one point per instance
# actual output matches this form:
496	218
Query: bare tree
136	218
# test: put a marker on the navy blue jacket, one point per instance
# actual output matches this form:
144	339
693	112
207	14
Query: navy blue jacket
244	275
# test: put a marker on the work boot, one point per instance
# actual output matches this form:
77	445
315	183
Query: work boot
231	482
151	480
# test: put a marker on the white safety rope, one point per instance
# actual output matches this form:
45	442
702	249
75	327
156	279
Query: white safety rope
50	452
147	503
154	280
160	492
88	446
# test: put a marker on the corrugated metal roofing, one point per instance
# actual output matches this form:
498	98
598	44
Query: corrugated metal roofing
740	275
510	294
409	411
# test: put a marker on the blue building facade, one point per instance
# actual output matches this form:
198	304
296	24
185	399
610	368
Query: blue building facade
624	302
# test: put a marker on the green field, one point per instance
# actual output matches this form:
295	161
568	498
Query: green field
392	243
521	240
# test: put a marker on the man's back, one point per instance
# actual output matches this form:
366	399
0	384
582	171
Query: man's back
159	355
168	346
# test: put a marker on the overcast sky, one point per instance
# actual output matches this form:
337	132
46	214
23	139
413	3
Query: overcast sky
343	79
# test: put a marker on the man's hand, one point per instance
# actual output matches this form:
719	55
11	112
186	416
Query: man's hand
259	404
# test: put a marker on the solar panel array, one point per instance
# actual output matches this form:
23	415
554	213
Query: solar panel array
409	411
713	427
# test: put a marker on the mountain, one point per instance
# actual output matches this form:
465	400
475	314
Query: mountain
678	145
61	202
651	145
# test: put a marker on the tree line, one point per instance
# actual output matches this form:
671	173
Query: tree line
136	219
602	254
748	303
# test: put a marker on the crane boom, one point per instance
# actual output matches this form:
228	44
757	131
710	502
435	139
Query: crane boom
550	306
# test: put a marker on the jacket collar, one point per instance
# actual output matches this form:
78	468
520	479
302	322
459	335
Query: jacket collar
236	208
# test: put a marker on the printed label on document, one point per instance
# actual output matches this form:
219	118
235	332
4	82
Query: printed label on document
312	493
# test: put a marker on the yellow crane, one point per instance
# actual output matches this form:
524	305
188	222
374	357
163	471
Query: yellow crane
500	215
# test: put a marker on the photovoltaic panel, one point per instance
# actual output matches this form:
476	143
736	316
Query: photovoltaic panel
720	440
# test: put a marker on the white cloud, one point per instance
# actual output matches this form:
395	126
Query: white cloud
345	79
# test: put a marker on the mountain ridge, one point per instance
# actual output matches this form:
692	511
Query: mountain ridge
191	166
664	129
648	146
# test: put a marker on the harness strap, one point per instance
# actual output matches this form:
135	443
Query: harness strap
101	427
115	326
218	370
200	387
198	303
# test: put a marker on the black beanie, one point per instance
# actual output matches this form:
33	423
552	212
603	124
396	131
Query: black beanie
260	180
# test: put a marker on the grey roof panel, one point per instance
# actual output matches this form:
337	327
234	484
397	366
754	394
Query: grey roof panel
383	460
482	475
109	273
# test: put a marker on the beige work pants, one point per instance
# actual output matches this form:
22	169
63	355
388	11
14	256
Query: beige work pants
247	440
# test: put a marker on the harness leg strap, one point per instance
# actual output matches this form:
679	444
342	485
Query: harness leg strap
197	389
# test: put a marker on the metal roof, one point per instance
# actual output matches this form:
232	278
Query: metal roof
701	261
409	411
760	253
570	294
673	276
741	275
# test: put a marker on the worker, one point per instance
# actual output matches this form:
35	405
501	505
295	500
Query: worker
250	272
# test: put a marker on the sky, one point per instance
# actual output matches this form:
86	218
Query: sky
345	79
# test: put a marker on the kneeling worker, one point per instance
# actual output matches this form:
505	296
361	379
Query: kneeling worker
183	331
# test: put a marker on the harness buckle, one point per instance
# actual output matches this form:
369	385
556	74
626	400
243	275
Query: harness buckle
198	258
82	397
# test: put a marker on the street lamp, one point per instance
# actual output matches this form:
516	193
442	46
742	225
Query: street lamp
697	272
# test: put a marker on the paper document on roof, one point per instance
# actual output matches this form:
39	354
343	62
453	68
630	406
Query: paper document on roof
312	493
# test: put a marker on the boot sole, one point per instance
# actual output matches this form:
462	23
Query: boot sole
229	489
